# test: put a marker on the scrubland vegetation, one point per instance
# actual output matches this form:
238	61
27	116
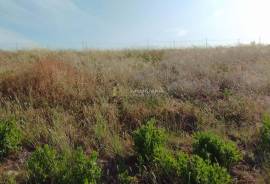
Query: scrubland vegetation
195	116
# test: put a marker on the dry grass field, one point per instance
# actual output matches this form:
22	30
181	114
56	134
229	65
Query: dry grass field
95	100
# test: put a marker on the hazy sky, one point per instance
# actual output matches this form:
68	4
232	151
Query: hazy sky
112	23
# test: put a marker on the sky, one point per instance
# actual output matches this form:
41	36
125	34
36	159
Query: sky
131	23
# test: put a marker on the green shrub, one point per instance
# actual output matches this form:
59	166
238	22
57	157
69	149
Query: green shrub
191	169
197	171
165	160
149	144
82	169
182	160
46	165
43	165
265	134
10	137
212	147
147	139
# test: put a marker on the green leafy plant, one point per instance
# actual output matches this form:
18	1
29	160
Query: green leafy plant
165	160
147	139
10	137
46	165
193	170
197	171
43	165
82	169
210	146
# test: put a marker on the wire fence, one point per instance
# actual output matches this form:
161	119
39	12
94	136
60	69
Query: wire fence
84	45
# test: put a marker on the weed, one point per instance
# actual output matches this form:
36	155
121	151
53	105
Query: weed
10	137
165	159
43	165
82	169
46	165
147	139
210	146
197	171
192	169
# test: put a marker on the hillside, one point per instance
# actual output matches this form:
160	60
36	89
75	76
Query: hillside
62	107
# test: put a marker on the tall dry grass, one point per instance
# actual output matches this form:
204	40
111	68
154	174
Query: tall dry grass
95	99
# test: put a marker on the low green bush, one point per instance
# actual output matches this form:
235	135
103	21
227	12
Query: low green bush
46	165
210	146
147	139
197	171
10	137
82	169
192	169
43	165
149	144
265	134
165	160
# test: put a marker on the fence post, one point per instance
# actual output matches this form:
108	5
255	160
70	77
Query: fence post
86	45
174	47
148	45
82	45
238	41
